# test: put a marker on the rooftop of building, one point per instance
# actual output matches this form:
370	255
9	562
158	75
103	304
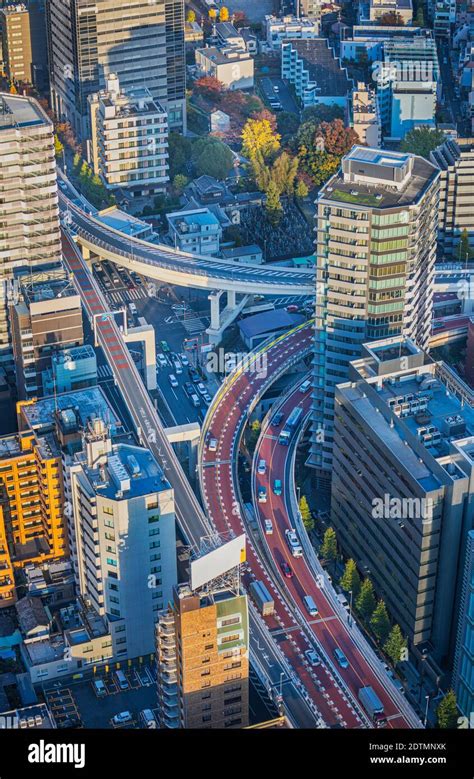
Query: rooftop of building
289	20
119	220
225	54
241	251
37	716
398	179
32	614
19	111
14	8
81	623
185	222
73	354
425	403
385	32
79	406
129	472
322	65
226	30
50	289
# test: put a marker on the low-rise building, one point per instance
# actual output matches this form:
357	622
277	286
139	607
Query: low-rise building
129	139
365	116
45	315
193	35
315	72
372	11
197	231
249	255
71	369
277	30
232	66
257	328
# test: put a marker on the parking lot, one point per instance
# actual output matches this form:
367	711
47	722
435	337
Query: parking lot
78	704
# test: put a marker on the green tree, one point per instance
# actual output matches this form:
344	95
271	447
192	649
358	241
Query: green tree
58	147
273	205
322	113
380	622
179	150
301	190
284	172
255	428
464	252
350	579
287	124
392	19
395	644
447	712
420	17
422	141
365	601
212	157
179	183
305	512
328	550
190	16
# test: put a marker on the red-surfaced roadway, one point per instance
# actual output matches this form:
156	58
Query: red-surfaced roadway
333	697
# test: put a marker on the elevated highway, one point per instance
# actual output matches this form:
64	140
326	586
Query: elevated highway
170	266
334	694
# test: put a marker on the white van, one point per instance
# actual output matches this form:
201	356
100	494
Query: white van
305	386
262	467
310	606
122	680
99	688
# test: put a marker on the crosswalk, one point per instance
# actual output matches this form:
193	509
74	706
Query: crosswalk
104	372
126	296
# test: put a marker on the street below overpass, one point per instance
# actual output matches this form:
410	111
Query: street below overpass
189	514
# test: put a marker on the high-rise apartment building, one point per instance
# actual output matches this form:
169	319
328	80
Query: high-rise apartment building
202	660
129	139
456	201
376	245
32	522
45	315
125	541
463	673
401	499
142	43
29	215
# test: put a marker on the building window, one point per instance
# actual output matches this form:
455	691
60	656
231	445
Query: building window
206	672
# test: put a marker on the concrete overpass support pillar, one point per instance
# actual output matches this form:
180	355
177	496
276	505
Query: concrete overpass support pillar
231	299
215	298
192	454
86	256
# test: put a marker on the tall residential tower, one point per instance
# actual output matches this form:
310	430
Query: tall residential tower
376	245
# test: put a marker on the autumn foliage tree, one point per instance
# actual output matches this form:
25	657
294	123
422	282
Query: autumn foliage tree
209	87
258	136
224	14
337	138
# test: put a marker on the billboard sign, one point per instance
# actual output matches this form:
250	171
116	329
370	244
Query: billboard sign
217	562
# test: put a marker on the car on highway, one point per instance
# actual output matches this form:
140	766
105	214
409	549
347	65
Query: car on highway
173	380
262	467
292	309
277	419
161	360
164	346
207	398
177	367
286	570
184	359
312	658
193	374
268	524
340	658
310	606
305	386
262	494
201	388
189	388
195	400
277	486
212	445
122	718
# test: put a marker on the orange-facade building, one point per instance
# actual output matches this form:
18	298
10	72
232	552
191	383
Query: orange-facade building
32	521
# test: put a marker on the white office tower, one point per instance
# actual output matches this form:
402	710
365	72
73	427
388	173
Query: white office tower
29	216
124	526
376	229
